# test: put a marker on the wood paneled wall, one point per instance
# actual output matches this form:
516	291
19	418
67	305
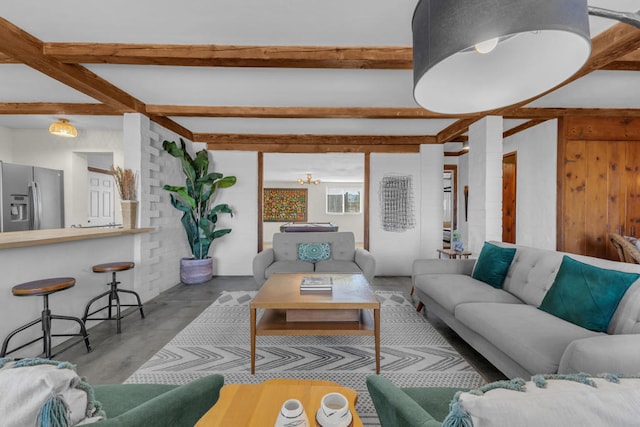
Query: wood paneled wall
598	183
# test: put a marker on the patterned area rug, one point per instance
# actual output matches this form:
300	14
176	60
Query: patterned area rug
413	353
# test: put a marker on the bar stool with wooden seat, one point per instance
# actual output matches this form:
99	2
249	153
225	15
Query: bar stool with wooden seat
112	294
45	288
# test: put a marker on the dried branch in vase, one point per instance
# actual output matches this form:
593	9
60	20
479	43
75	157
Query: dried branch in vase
126	181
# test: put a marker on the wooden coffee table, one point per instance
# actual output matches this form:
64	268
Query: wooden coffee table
325	311
259	404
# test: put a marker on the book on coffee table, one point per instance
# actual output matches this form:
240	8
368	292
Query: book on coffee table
316	284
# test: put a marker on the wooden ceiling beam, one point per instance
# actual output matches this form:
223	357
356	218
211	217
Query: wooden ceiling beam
27	49
365	57
315	148
297	112
455	130
628	62
552	113
312	139
6	59
80	109
172	126
300	112
522	127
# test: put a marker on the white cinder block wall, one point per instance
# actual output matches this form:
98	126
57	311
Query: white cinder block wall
157	255
485	182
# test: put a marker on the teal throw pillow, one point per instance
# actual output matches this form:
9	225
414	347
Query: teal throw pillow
493	264
314	252
586	295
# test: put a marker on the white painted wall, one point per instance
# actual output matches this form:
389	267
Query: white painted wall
394	252
431	199
233	254
317	209
6	145
38	147
536	184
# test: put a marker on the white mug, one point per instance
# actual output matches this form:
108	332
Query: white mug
335	408
292	414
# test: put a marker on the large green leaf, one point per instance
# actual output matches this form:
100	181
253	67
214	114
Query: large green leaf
190	228
182	192
172	148
219	233
179	204
226	182
201	163
194	198
223	207
212	176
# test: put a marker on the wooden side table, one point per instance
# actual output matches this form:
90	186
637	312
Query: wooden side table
259	404
450	253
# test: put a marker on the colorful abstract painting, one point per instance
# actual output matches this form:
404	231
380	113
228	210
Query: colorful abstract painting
284	205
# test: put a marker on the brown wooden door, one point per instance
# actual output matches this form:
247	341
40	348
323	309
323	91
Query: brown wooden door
509	185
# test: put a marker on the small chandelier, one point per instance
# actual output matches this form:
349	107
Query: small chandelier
308	181
63	128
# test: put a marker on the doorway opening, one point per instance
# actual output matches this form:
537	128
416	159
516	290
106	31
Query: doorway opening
450	205
338	198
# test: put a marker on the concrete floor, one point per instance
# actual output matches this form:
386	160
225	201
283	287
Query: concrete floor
115	357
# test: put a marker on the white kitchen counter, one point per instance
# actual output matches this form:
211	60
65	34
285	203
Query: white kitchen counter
18	239
68	252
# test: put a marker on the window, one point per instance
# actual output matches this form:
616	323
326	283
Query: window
343	200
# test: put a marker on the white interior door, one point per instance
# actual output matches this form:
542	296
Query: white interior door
101	199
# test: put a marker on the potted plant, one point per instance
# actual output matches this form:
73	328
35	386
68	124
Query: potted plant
126	181
199	216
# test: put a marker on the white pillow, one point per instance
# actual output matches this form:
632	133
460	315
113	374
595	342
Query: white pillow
562	402
36	391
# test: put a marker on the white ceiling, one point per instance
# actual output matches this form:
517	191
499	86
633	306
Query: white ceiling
259	22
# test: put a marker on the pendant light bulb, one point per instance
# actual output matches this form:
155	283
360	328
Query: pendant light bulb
486	46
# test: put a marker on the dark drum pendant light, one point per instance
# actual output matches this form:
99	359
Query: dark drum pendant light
530	46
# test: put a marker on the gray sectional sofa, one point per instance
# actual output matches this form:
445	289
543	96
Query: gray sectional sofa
507	327
283	256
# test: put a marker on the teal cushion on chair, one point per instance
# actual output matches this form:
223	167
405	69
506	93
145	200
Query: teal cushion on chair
586	295
493	264
314	252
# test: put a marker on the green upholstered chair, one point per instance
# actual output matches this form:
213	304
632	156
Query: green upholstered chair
158	405
409	407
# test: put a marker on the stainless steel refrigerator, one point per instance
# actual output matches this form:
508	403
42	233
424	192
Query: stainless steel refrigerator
31	198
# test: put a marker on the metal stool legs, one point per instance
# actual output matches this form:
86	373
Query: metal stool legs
113	296
45	319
